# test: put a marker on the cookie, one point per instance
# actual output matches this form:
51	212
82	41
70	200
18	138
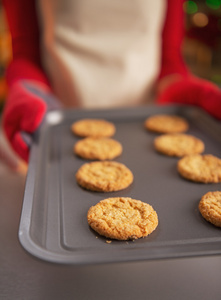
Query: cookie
178	144
122	218
93	128
98	148
104	176
210	207
166	124
200	168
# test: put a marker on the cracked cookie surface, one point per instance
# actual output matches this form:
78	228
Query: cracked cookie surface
122	218
104	176
98	148
93	127
166	124
200	168
178	144
210	207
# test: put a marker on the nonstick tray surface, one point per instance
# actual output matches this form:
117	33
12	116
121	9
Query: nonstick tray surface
54	224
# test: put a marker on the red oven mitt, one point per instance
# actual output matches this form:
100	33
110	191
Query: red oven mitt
193	91
27	103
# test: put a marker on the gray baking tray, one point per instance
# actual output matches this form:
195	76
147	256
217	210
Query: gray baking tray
53	223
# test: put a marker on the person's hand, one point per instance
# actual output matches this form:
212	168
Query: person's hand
191	91
24	111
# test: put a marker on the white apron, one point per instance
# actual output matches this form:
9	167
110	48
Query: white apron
102	53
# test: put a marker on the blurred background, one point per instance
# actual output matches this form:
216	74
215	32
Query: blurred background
201	48
202	45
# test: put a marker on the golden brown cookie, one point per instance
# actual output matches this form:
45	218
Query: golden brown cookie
104	176
200	168
122	218
178	144
210	207
93	127
166	124
98	148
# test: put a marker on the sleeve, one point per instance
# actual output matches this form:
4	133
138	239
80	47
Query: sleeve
25	35
172	38
185	89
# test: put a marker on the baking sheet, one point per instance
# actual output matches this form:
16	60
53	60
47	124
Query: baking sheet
53	223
